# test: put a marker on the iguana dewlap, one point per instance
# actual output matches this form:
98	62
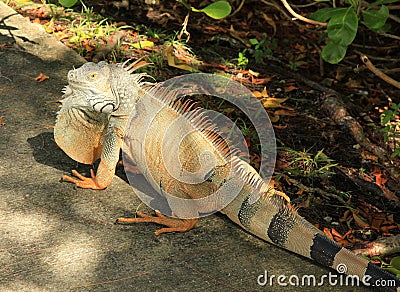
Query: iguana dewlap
98	102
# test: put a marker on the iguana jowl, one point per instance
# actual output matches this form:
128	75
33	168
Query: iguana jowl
90	125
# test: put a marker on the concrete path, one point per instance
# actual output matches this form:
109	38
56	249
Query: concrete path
54	237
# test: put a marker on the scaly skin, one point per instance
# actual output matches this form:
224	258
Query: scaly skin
257	208
92	119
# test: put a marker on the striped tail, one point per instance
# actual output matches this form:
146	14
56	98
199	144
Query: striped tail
274	220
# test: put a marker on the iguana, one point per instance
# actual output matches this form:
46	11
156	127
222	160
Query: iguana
98	102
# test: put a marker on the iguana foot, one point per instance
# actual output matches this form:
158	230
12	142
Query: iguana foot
84	182
129	167
174	224
271	192
283	195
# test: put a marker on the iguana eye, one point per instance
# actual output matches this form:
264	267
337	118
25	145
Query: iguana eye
93	75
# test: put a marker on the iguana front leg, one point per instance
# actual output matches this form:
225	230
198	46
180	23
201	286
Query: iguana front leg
106	170
174	224
100	181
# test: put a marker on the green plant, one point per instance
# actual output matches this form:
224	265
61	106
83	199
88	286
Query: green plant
68	3
216	10
343	24
294	65
390	127
242	60
85	29
305	164
262	48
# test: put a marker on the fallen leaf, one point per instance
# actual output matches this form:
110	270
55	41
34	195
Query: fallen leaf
176	62
261	81
284	112
254	73
369	156
328	233
270	21
274	102
41	77
290	88
264	93
359	221
335	233
88	48
2	123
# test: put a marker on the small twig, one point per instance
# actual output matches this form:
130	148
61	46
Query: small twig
237	9
321	61
395	46
388	35
393	60
305	5
183	30
283	11
379	73
300	17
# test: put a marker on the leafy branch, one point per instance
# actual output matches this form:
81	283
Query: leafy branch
343	25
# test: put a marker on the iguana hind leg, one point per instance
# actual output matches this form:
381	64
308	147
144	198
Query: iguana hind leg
174	224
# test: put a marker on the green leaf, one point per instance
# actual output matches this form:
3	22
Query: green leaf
142	44
324	14
353	3
342	27
395	262
380	2
216	10
253	42
333	52
67	3
375	19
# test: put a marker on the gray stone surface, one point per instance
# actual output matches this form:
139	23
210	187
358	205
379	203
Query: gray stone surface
55	237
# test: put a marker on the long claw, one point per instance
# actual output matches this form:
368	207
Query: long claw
83	181
174	224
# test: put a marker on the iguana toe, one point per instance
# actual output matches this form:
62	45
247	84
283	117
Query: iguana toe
84	182
174	224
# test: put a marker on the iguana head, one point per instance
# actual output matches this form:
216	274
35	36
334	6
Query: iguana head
94	82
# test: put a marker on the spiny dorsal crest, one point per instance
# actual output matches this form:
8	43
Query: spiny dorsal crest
197	117
260	190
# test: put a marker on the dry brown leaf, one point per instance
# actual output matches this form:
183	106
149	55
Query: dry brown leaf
346	216
328	233
290	88
369	156
274	102
359	221
273	118
285	112
270	21
176	62
262	94
41	77
2	123
261	81
336	233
